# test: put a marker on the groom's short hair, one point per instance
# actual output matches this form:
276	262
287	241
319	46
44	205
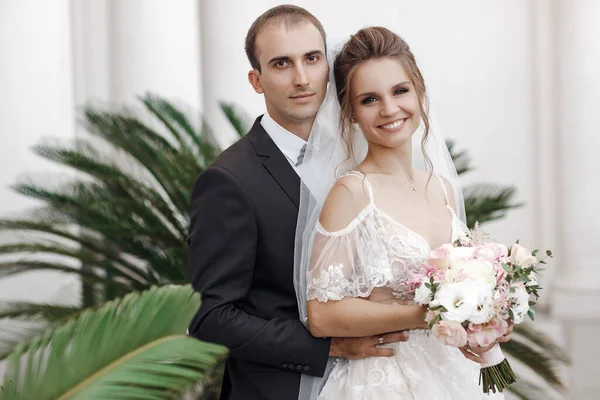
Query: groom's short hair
287	14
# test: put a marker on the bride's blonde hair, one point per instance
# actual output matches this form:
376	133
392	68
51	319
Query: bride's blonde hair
375	43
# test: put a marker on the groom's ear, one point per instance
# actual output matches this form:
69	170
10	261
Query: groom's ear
254	79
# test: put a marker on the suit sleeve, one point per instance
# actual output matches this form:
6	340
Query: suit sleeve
221	262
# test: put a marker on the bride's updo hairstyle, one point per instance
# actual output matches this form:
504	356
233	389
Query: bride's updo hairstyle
371	44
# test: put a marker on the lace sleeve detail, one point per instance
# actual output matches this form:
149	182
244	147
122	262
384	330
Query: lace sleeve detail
348	263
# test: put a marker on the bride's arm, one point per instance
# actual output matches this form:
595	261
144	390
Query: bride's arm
356	317
351	316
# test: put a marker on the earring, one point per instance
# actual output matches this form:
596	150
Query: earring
353	121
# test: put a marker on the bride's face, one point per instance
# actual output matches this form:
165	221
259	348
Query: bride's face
384	102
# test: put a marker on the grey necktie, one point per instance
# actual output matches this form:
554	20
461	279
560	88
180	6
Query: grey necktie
301	155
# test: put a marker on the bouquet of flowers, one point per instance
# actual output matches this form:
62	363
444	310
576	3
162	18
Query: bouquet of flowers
472	289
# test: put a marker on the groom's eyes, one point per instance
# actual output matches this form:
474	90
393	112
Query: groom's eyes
313	58
281	64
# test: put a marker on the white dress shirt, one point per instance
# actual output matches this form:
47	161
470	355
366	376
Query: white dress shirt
290	145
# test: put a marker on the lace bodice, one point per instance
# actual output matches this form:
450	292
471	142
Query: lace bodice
373	251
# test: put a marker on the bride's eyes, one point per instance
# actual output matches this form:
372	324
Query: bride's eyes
368	100
372	99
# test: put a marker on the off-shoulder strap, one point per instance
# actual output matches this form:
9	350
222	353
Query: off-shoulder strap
362	176
445	191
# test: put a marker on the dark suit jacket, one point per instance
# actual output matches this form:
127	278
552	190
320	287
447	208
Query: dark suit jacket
243	214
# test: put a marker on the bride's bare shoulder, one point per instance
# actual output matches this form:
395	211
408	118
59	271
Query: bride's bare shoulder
345	201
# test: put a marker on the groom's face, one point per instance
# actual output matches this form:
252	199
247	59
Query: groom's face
294	72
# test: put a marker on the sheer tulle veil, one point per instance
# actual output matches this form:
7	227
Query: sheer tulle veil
326	159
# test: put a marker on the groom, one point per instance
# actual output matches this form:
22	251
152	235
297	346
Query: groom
243	214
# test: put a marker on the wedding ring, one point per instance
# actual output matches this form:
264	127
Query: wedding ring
380	340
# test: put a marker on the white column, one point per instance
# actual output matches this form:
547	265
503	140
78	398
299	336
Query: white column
546	190
577	293
91	51
36	102
154	47
223	27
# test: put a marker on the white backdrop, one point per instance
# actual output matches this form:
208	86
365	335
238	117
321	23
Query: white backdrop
514	82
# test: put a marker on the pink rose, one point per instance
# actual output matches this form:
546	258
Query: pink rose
439	258
484	337
494	251
450	333
488	333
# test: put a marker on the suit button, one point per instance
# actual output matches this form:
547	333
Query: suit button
284	365
292	366
299	368
306	368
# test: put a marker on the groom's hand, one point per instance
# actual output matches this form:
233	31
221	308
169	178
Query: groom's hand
364	347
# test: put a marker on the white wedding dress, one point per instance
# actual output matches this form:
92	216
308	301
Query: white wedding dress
375	257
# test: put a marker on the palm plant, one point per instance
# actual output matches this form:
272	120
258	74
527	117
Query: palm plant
483	202
124	221
130	347
122	225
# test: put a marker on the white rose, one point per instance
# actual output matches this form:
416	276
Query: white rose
520	306
459	299
423	294
522	257
478	270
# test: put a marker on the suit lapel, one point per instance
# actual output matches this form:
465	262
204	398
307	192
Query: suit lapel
275	162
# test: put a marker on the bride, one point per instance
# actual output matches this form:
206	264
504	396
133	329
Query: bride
390	196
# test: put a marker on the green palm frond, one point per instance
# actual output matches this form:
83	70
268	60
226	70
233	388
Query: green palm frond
544	365
543	341
462	161
17	332
483	202
237	118
526	390
133	346
35	311
486	202
20	322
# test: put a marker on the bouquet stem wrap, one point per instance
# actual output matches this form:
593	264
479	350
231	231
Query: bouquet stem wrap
496	374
